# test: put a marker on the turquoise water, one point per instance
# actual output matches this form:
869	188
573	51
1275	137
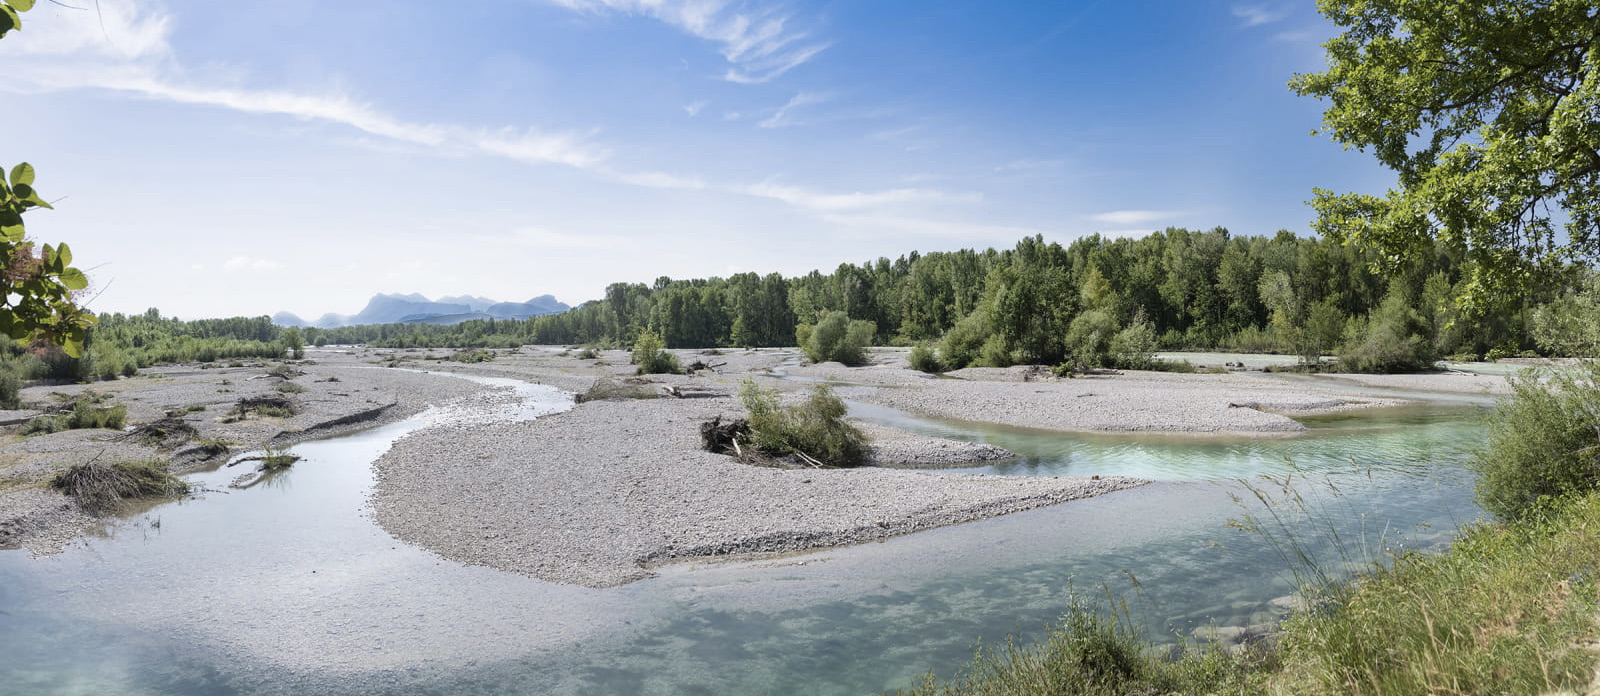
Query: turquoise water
290	588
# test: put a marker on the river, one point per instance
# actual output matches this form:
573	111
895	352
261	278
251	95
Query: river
289	587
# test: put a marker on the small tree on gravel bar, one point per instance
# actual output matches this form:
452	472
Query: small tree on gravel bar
814	431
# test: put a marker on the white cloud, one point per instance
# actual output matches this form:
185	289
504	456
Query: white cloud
1133	217
835	202
659	180
925	227
68	50
544	239
245	263
756	42
1257	15
694	109
781	117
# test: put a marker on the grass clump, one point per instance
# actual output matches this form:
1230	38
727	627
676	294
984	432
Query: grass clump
1092	651
472	356
99	486
651	356
290	388
1544	442
814	432
84	413
607	388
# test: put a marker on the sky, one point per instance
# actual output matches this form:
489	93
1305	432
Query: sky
242	158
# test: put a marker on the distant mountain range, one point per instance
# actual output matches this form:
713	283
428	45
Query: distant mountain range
414	308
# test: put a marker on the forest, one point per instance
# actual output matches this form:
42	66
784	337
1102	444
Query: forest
1094	302
1043	303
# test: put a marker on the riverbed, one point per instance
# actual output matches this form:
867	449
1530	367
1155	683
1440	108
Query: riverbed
290	586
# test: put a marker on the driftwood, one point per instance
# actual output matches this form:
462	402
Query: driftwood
699	365
723	437
167	433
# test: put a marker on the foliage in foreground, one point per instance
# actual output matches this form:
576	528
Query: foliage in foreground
813	430
1485	112
1544	442
99	486
1508	610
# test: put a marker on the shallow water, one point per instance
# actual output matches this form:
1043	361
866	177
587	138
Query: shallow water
289	587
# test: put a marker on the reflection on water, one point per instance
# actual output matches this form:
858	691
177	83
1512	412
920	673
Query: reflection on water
290	588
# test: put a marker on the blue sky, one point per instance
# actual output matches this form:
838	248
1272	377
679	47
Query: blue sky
217	159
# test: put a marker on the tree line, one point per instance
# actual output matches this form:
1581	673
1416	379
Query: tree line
1093	302
1043	303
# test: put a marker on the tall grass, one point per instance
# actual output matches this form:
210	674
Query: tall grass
1507	610
1092	650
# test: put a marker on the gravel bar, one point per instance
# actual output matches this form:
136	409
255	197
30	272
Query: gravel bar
596	495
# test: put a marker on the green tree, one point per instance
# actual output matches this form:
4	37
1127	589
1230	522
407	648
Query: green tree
36	289
295	342
1488	112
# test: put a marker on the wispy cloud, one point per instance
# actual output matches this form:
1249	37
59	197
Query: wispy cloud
546	239
835	202
129	52
1257	15
968	232
757	42
782	117
246	263
1133	217
694	108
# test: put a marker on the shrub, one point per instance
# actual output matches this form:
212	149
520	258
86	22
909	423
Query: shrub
650	354
10	386
1392	340
836	337
1544	442
1089	338
815	430
924	359
99	486
962	344
290	388
1134	348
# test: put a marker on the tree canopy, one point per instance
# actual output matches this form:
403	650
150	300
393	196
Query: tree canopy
1488	112
37	285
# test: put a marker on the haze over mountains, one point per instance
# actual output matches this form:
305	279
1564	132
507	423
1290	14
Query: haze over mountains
415	308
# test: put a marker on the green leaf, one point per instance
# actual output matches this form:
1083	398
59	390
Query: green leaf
48	255
22	174
74	279
22	5
65	254
8	19
72	348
